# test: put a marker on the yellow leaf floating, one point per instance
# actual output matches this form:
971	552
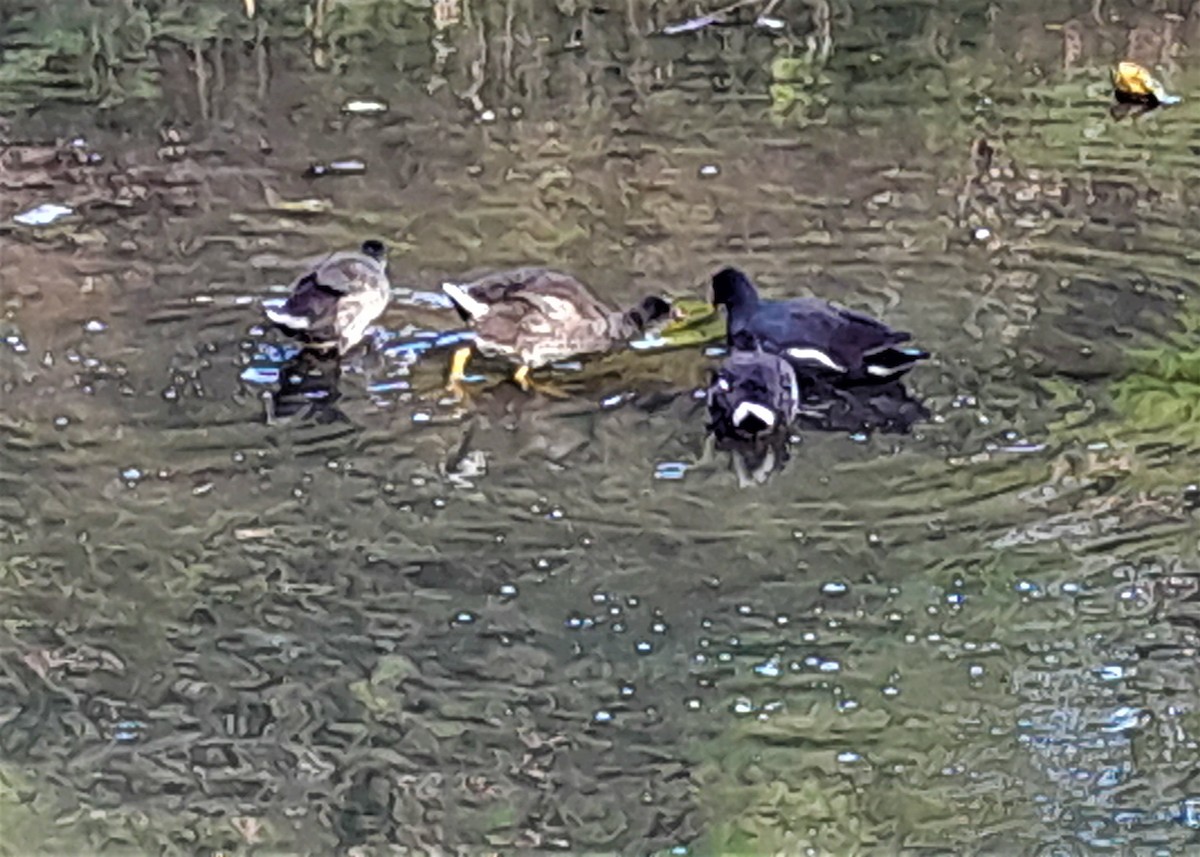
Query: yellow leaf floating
310	205
1133	84
694	322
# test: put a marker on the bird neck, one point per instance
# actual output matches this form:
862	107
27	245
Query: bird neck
745	299
628	323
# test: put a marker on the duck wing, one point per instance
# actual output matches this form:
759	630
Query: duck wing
816	334
558	296
310	308
346	272
477	299
565	306
565	320
537	315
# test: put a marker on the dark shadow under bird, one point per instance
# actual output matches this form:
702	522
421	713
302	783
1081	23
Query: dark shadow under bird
886	407
331	305
816	337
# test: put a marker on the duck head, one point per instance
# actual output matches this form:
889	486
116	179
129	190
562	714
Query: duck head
375	249
648	311
733	290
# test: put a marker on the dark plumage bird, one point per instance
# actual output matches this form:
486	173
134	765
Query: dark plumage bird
814	335
753	393
533	317
333	302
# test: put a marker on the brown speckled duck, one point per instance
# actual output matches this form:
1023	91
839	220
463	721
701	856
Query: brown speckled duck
333	302
534	317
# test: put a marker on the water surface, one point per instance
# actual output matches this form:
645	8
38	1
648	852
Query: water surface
259	605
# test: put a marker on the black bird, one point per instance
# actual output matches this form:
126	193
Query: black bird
814	335
753	393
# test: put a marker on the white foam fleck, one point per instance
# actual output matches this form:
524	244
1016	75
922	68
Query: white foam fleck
44	214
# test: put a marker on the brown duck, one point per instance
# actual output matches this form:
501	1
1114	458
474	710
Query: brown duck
533	317
333	302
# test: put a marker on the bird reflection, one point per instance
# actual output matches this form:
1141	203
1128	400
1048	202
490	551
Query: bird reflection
308	390
755	459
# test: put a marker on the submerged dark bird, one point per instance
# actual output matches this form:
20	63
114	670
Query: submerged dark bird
753	393
533	317
333	302
814	335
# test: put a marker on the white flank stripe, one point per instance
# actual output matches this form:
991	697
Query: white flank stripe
295	322
746	409
473	307
814	355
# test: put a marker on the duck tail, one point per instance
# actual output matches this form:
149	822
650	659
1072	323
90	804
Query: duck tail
893	362
307	308
287	320
463	299
648	311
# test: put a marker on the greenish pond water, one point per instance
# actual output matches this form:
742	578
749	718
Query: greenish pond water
253	606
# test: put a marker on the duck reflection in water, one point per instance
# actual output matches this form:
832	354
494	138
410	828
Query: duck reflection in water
308	390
